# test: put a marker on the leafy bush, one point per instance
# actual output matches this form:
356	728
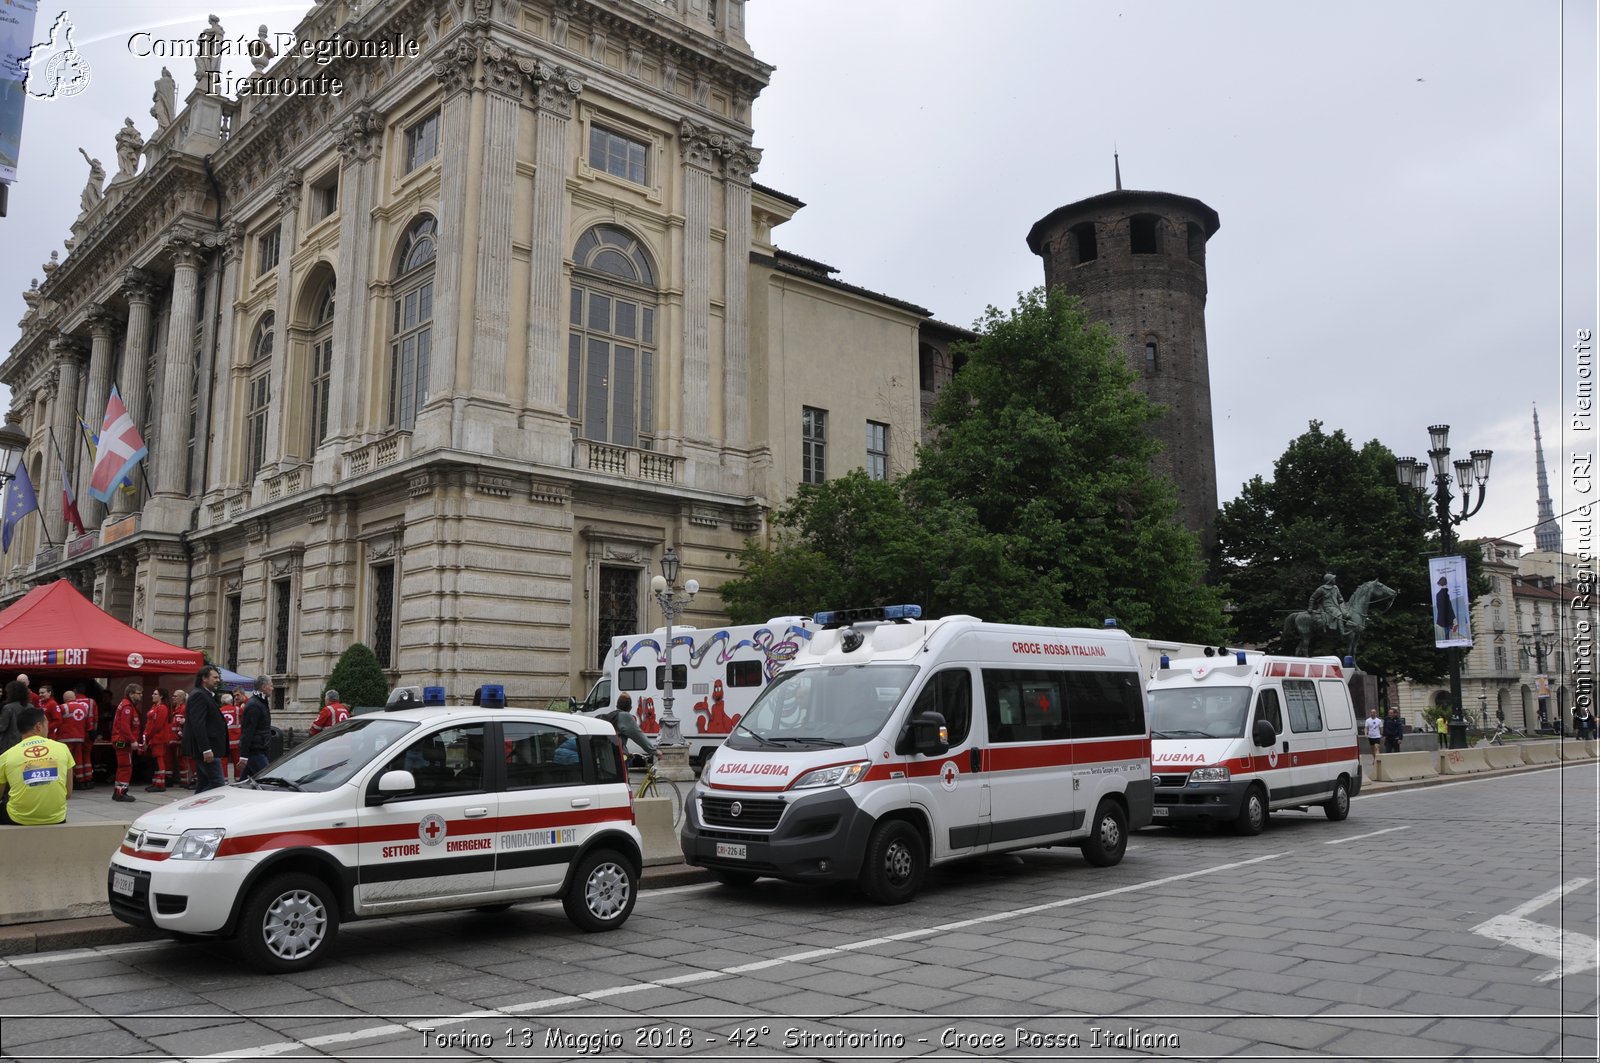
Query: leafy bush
358	678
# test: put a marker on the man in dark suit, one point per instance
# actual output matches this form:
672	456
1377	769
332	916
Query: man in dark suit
205	732
255	728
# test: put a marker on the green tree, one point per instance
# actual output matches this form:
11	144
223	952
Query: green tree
1033	503
358	677
1333	508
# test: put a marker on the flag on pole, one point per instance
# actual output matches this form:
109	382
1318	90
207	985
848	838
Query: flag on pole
69	501
92	441
20	501
121	449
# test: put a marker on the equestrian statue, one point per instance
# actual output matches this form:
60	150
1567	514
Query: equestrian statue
1329	614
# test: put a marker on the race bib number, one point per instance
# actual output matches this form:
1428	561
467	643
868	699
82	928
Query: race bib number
38	776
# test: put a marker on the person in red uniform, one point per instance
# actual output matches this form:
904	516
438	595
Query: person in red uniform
333	713
158	740
75	715
51	707
230	715
127	737
175	722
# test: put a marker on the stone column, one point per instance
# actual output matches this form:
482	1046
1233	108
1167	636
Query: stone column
739	164
68	355
140	290
102	329
555	88
360	140
177	378
289	201
215	337
497	186
700	150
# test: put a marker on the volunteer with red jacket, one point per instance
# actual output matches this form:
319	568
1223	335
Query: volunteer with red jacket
332	715
127	737
76	714
51	707
158	739
183	763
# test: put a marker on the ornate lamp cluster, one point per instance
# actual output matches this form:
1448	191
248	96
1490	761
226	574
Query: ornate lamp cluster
673	754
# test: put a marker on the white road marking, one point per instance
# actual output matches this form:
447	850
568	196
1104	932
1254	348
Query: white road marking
1358	837
1572	951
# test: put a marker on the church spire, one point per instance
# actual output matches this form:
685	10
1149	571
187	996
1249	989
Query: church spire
1116	164
1547	533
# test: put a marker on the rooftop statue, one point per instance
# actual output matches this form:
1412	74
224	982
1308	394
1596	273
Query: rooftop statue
164	99
94	188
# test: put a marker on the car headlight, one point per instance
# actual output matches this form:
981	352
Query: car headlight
1217	774
838	775
198	844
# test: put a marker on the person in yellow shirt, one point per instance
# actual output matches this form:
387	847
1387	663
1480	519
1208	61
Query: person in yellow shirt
1444	731
35	774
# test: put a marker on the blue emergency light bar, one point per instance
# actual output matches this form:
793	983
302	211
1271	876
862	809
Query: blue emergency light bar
1109	622
1239	656
433	695
841	617
492	696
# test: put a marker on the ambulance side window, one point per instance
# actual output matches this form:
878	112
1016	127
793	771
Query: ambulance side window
445	762
1102	704
1024	706
538	754
1300	697
949	693
1267	709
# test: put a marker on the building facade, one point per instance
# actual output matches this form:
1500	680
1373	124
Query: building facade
444	364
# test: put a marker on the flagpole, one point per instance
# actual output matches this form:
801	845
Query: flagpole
66	489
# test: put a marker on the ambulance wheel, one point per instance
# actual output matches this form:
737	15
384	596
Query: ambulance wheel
1252	814
739	880
896	862
1338	806
602	891
1108	836
288	923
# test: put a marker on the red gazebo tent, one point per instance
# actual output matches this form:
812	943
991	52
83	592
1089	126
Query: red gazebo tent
54	629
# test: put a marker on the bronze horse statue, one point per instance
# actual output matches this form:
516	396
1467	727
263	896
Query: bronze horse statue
1305	625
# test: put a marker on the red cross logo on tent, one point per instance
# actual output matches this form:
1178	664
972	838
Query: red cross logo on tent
432	829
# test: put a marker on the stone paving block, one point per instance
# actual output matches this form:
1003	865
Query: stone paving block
97	1044
1265	1031
1449	985
1325	952
1387	1044
1088	1000
36	1030
743	991
223	1037
1182	992
840	982
913	997
862	962
1492	1035
1015	967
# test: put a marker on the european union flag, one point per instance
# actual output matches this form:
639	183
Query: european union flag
20	501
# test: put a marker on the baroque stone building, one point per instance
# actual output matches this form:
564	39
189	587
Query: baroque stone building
445	363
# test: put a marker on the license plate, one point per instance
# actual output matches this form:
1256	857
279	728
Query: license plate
730	851
1158	812
122	884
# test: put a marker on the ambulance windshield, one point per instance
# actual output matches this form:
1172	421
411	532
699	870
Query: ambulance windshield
1209	712
331	758
811	708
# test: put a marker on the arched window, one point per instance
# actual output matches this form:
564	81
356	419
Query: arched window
413	323
611	350
260	396
1151	356
321	363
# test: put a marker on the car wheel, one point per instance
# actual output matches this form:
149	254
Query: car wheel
896	862
602	892
288	923
1338	806
1108	836
1252	814
739	880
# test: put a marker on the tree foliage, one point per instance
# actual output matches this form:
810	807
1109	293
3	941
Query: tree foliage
1332	508
1033	502
358	677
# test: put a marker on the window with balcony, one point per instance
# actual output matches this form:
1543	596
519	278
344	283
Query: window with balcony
412	324
611	344
321	364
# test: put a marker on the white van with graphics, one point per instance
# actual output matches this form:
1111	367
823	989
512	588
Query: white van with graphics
1234	739
892	743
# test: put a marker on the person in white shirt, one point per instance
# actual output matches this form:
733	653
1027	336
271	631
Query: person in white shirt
1374	724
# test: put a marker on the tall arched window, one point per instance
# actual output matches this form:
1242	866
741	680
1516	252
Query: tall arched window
611	351
412	341
321	363
260	396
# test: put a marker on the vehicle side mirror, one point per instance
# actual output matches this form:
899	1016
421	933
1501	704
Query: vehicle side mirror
929	734
393	784
1263	734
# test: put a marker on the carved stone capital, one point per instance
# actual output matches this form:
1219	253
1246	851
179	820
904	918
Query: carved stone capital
702	146
503	70
138	287
65	348
360	135
741	162
555	87
103	324
287	192
454	71
187	249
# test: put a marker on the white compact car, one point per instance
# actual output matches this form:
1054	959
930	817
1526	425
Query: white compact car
420	809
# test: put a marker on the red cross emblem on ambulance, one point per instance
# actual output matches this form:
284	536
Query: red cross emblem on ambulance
948	775
432	829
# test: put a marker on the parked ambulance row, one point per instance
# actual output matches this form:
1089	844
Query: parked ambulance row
862	746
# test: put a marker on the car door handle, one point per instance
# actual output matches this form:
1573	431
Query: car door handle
580	802
1286	747
476	813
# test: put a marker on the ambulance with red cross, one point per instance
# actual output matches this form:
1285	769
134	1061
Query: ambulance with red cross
1237	738
408	810
891	743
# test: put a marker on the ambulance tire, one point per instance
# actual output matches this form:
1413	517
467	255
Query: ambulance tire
1252	818
1108	836
1338	806
895	864
739	880
601	892
288	923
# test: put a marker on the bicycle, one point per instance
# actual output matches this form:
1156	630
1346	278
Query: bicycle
653	785
1503	732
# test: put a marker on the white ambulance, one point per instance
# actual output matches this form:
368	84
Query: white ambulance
1234	739
716	676
409	810
892	743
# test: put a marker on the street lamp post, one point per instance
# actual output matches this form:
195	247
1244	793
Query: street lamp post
1536	646
13	441
672	754
1413	474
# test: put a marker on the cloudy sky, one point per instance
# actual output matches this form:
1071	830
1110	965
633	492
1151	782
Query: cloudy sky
1407	189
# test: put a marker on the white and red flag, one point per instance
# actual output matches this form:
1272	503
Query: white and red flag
120	449
69	501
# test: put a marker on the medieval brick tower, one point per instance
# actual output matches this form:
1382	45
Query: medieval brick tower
1138	262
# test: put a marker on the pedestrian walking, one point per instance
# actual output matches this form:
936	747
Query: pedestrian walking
1374	725
1583	724
1394	729
127	738
35	774
205	732
627	726
255	728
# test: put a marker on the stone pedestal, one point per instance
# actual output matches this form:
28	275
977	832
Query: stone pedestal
672	763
